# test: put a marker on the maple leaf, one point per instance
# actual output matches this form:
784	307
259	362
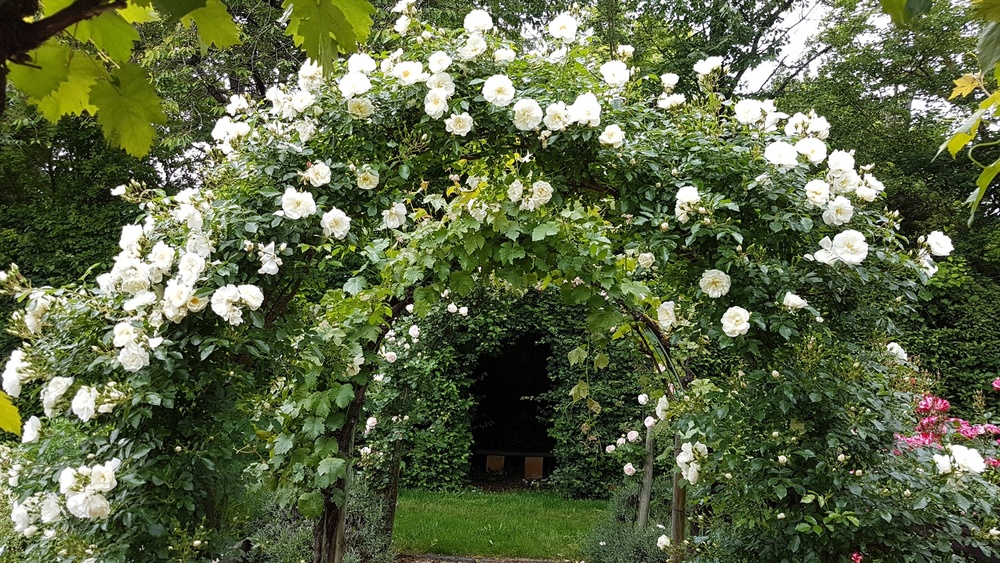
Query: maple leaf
965	85
127	109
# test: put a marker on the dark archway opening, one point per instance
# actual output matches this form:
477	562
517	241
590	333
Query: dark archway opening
510	421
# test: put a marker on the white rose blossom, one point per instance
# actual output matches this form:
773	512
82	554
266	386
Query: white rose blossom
395	216
736	322
615	73
563	27
838	212
781	155
367	178
478	21
459	124
439	61
707	66
296	204
665	315
939	243
335	223
360	108
317	174
586	110
613	136
527	114
793	302
715	283
557	117
499	90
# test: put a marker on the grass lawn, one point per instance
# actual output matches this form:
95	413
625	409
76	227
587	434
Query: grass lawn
517	523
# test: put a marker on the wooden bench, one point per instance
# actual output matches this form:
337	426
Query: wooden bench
533	461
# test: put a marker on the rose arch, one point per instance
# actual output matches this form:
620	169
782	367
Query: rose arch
253	309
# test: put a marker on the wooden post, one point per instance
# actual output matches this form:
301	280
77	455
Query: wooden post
678	511
646	493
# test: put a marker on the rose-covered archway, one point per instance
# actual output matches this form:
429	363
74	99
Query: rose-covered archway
685	219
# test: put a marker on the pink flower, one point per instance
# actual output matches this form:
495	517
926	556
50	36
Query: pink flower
996	384
633	436
930	403
992	462
629	469
649	422
856	557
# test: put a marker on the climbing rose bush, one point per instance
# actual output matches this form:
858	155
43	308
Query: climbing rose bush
249	314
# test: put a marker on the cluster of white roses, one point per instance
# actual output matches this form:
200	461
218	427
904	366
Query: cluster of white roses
690	460
540	194
83	489
960	459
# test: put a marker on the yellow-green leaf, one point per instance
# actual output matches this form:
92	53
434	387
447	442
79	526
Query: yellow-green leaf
324	28
601	361
215	25
10	419
52	60
73	96
965	85
580	391
110	33
127	109
982	183
136	13
965	133
988	10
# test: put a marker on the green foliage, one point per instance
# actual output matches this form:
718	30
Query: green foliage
618	540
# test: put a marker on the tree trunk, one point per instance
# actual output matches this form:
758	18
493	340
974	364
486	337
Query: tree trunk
329	535
678	511
646	493
391	495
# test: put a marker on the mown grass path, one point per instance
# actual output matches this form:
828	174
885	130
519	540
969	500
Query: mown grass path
523	524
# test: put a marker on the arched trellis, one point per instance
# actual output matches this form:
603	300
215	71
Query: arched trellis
452	160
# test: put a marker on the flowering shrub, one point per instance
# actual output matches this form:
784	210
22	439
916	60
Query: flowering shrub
386	180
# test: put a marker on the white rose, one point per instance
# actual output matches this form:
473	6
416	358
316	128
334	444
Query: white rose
133	357
354	84
666	316
896	350
439	61
669	81
625	51
84	403
472	48
782	155
557	117
844	182
515	190
301	100
850	247
797	125
402	24
436	103
368	178
395	216
32	430
296	204
390	357
838	212
563	27
646	260
615	73
459	124
88	506
586	110
541	193
53	391
939	243
668	101
251	295
499	90
190	267
817	193
15	372
504	56
661	407
715	283
748	112
318	175
200	244
49	510
967	459
360	108
840	162
335	222
443	81
707	66
943	463
793	302
414	331
612	136
812	148
361	62
478	21
736	321
102	476
527	114
663	542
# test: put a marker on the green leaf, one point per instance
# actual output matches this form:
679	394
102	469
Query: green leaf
311	504
73	96
577	355
544	230
988	10
53	59
283	444
174	10
215	25
988	49
601	361
580	391
127	109
323	29
344	396
982	183
902	12
110	33
355	285
10	419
